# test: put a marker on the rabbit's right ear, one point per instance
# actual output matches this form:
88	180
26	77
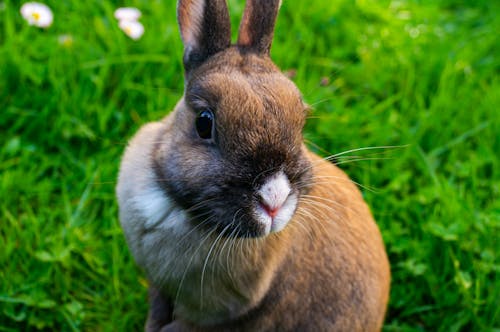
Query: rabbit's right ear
205	29
257	25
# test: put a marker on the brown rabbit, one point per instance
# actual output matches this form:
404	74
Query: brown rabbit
236	224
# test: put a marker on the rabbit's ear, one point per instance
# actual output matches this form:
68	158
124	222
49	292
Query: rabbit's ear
257	25
205	29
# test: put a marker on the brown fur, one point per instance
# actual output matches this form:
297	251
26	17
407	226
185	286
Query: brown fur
327	270
207	32
257	25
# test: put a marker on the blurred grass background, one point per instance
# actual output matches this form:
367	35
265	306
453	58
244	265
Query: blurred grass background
421	73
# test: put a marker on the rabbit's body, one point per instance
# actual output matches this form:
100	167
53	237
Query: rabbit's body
326	271
237	225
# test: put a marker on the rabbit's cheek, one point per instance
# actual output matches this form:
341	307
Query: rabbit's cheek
152	205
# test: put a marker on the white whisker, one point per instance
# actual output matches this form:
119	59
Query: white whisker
189	264
206	262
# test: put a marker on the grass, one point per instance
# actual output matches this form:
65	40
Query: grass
415	73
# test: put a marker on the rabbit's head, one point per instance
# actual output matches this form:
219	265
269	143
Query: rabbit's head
233	154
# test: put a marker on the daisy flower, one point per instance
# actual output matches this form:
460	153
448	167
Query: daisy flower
65	40
128	21
133	29
37	14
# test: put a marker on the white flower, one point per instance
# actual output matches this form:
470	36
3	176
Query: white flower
65	40
127	14
37	14
133	29
128	21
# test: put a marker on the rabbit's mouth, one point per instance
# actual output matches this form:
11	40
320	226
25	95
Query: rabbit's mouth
277	203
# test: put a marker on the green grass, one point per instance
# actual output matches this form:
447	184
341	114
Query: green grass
418	73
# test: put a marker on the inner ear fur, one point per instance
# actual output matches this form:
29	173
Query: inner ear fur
205	29
257	25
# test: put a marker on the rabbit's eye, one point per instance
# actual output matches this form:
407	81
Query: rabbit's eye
204	124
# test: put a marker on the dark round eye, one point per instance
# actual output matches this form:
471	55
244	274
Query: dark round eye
205	124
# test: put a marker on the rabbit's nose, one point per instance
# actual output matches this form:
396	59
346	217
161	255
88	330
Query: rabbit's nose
274	193
272	211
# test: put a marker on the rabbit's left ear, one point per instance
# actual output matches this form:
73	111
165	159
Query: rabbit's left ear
257	25
205	29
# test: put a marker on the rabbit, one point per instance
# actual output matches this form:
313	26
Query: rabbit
237	225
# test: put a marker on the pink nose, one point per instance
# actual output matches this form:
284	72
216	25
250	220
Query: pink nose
271	211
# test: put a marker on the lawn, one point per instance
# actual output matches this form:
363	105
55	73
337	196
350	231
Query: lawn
422	75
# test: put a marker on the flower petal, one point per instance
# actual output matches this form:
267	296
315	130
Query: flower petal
127	13
133	29
37	14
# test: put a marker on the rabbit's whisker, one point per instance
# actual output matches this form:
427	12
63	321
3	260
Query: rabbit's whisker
359	159
302	184
384	147
209	234
230	237
206	262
